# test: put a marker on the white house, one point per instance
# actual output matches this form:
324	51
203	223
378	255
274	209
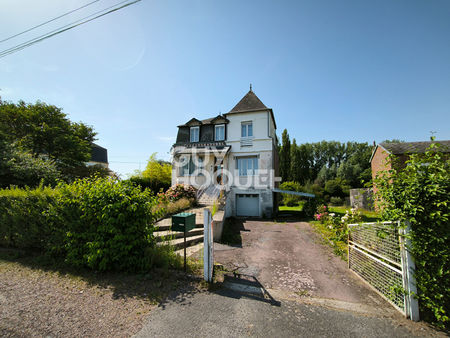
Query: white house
236	152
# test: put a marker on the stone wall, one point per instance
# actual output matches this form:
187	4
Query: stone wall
361	198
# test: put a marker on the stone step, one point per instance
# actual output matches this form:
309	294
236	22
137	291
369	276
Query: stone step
190	250
169	226
179	242
162	236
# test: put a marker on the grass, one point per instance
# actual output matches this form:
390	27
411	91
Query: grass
286	208
367	216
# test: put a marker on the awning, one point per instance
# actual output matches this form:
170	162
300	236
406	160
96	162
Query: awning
298	193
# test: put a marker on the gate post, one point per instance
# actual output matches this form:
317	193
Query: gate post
408	275
207	246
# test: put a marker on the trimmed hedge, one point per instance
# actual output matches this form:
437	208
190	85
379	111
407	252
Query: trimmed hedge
24	217
99	223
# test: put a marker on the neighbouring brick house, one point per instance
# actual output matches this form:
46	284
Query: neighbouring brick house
401	152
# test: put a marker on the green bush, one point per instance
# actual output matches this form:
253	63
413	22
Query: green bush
24	218
419	194
338	201
288	199
98	223
149	183
108	224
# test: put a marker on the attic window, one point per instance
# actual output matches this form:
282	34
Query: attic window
219	132
194	132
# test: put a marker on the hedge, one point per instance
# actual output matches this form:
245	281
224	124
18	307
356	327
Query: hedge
99	223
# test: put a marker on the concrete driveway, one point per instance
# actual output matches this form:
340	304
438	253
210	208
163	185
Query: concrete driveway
307	291
291	259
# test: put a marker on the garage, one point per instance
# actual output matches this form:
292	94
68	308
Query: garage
247	205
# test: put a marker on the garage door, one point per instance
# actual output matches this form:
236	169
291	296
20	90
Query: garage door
247	205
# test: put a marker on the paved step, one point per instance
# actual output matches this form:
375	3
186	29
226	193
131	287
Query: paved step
169	226
190	250
179	242
161	236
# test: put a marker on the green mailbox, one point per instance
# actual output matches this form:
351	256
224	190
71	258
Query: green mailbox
183	221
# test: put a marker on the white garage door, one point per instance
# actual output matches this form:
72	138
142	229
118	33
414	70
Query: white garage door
247	205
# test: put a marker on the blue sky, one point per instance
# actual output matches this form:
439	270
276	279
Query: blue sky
331	70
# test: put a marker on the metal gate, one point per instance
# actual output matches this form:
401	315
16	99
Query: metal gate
377	253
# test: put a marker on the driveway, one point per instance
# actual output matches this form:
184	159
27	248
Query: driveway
306	291
290	258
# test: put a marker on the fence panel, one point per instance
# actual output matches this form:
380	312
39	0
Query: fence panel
377	253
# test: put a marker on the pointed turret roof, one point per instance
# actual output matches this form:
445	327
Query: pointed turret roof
249	102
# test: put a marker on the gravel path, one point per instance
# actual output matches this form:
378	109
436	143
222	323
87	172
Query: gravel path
34	302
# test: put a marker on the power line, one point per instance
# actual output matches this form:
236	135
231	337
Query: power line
51	20
65	28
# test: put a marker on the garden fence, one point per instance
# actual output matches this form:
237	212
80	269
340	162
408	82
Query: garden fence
377	252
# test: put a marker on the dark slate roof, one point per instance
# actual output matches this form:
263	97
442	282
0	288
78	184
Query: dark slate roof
249	102
99	154
206	121
413	147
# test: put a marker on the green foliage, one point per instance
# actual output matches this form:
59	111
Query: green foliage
20	168
419	194
336	201
148	183
44	129
100	223
310	207
24	217
288	199
156	176
107	224
158	170
285	156
325	160
337	187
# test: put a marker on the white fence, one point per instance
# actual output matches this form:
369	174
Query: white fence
377	252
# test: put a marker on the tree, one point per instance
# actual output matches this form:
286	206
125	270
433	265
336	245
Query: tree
419	194
45	131
21	168
285	156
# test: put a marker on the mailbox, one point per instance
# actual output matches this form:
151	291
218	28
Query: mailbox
183	221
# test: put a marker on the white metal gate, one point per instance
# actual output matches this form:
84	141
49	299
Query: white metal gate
208	245
377	252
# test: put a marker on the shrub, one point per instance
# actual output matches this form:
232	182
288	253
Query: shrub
288	199
336	201
166	208
310	207
149	183
179	191
419	194
108	224
24	218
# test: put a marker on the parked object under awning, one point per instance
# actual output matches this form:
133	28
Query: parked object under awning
298	193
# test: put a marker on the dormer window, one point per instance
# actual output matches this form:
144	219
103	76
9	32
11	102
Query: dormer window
247	129
194	132
219	132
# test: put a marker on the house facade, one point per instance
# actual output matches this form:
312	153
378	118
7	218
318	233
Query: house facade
235	152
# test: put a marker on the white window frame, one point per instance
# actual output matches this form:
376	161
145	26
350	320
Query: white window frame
217	126
191	134
246	160
246	125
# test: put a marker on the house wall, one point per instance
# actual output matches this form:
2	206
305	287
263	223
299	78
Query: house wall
379	163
